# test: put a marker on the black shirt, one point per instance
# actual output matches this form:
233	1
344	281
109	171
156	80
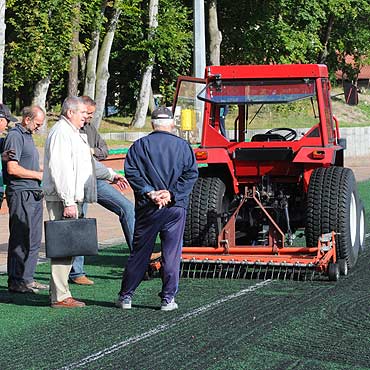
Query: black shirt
20	140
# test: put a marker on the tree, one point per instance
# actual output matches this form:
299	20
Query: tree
146	87
215	35
37	47
75	50
92	59
350	37
2	46
102	72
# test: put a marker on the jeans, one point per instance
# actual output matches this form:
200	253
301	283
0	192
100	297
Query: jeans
113	200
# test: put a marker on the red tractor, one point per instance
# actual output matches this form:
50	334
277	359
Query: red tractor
271	201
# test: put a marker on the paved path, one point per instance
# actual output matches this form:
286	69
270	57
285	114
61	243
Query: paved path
109	228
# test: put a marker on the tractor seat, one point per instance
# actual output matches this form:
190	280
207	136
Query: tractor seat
267	137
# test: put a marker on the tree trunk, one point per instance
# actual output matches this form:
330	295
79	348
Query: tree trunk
82	58
92	57
102	72
215	35
2	46
144	96
39	97
325	40
143	99
151	105
73	68
90	79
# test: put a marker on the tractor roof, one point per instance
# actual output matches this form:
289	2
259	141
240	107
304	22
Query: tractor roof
268	71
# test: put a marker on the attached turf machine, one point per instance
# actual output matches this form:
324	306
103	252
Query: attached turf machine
270	202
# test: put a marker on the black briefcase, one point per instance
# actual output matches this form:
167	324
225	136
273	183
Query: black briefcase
71	237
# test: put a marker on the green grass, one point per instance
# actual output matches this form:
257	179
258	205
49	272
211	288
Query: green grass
282	325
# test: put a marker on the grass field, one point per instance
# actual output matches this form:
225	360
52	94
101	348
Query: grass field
220	324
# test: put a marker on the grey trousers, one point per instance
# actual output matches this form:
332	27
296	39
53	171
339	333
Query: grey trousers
25	232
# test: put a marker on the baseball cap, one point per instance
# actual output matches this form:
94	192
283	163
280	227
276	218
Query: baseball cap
162	117
5	113
162	113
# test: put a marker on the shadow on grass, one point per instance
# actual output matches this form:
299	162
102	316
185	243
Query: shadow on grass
24	299
42	299
105	260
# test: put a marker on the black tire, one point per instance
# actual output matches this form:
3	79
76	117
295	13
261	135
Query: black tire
206	207
333	271
332	200
343	267
361	221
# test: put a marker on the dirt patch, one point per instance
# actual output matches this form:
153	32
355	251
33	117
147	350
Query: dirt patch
349	113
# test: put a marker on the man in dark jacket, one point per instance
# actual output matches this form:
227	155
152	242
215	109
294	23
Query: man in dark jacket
22	176
161	169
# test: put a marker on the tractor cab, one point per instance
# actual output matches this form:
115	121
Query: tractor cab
225	109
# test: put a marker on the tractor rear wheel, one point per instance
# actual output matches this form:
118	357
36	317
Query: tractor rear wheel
332	201
204	218
361	225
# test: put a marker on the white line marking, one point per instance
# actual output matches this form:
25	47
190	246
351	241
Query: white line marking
161	328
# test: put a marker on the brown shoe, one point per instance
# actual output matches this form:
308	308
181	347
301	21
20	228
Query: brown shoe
82	280
68	303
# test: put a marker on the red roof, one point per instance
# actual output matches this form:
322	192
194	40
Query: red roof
364	71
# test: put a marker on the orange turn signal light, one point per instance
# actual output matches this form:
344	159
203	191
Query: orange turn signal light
318	154
201	155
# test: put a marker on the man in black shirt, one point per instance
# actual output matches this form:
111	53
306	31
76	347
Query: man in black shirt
22	177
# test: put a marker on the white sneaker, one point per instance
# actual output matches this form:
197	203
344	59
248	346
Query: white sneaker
124	303
169	306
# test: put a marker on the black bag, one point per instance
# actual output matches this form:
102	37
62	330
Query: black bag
71	237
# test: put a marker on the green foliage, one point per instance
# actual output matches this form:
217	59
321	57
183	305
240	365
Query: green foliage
293	31
351	38
38	41
169	47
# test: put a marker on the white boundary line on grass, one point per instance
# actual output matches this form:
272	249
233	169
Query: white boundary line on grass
163	327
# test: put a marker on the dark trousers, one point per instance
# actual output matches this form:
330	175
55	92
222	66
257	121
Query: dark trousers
25	228
169	223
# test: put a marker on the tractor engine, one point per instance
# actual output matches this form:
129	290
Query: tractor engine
281	201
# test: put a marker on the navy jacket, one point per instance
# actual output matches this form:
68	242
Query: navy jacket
160	161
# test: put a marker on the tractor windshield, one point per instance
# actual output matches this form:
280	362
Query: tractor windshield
257	92
238	109
241	109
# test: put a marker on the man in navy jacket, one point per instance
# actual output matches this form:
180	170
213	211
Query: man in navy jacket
161	169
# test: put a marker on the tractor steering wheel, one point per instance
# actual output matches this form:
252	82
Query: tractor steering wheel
290	136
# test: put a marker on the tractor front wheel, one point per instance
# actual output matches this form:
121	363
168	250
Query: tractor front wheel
205	215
